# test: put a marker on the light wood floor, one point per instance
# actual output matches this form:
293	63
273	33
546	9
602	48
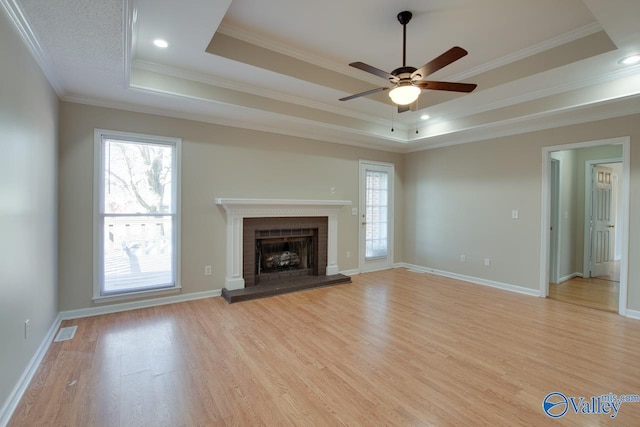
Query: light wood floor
392	348
598	293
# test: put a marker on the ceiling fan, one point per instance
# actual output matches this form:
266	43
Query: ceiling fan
407	82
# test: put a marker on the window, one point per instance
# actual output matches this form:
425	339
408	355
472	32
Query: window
376	205
137	210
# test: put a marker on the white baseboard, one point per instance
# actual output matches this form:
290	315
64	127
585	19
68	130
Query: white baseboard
16	394
134	305
569	277
475	280
25	379
633	314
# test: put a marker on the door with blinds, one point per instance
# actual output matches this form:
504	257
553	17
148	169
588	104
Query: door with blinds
376	216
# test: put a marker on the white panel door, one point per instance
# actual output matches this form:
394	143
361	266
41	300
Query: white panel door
376	216
601	221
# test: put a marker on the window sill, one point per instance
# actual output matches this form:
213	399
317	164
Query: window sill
135	295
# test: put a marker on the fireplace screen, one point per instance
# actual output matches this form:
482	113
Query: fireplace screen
283	249
275	255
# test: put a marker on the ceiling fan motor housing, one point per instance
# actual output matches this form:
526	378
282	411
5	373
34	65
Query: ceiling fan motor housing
404	74
404	17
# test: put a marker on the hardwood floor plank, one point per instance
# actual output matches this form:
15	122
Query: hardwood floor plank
598	293
391	348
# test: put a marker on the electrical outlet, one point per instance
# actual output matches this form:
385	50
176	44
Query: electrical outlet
333	190
207	270
27	328
354	211
348	254
487	262
463	258
515	214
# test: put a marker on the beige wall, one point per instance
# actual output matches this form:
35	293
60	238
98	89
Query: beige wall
28	129
217	161
458	200
568	212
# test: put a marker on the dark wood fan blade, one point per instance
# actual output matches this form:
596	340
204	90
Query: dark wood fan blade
452	87
441	61
369	92
371	69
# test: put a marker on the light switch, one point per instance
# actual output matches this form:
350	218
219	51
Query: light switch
354	211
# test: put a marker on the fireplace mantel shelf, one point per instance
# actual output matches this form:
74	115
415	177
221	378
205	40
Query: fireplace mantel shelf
279	206
237	209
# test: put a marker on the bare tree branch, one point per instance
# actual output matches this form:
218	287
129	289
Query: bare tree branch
132	185
146	174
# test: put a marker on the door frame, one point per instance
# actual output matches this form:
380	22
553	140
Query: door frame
391	216
555	239
588	196
545	222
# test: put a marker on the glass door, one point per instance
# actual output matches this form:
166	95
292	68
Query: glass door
376	216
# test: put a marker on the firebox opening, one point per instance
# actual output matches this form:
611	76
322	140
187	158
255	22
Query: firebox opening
278	250
278	257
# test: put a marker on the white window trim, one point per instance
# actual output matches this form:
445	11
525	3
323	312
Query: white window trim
98	234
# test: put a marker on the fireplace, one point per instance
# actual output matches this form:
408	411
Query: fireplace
286	219
283	248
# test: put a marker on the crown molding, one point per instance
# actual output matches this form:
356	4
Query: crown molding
452	110
535	122
19	21
396	145
560	40
129	16
283	49
520	125
262	42
207	79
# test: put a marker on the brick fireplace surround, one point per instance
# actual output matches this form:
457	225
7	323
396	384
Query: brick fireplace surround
238	209
252	227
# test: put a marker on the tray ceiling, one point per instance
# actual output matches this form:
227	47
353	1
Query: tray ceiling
281	66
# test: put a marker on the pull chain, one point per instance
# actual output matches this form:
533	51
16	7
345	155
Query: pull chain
392	119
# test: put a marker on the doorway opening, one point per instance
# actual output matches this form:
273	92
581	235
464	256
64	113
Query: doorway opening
585	223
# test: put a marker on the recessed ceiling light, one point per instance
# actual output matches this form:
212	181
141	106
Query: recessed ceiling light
424	117
160	43
630	60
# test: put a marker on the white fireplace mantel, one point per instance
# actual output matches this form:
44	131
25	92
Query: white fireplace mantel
238	209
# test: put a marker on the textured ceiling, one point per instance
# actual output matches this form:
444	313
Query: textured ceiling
280	66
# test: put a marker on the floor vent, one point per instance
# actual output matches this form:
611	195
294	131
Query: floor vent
65	334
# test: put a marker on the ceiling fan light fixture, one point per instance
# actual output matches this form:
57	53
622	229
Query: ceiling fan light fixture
404	95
